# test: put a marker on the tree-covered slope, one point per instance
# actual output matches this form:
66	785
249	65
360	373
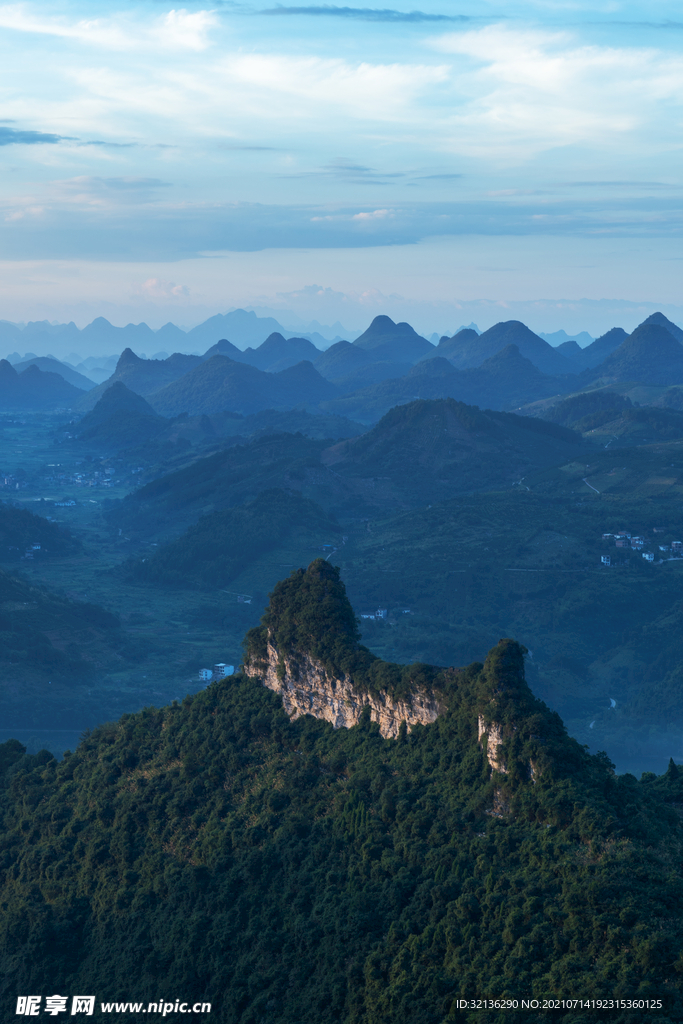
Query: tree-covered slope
213	551
506	380
651	355
289	872
430	450
51	648
22	531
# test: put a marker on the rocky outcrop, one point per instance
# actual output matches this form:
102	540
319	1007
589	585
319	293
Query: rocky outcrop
493	733
307	688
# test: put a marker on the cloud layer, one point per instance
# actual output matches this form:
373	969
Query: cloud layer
150	132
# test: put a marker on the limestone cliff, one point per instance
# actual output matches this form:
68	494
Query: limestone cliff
494	736
308	688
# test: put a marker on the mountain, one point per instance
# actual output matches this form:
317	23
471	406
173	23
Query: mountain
278	353
217	548
50	365
587	408
607	413
372	373
505	380
143	376
330	838
560	338
233	476
432	450
572	351
223	384
447	346
470	350
290	421
35	390
651	355
602	347
224	348
423	452
387	341
340	360
249	328
662	321
100	333
120	419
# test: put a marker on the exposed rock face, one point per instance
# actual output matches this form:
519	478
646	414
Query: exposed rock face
307	689
493	732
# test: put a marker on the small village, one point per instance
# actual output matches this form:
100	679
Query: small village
624	540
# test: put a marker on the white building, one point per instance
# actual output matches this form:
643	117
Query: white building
221	670
205	675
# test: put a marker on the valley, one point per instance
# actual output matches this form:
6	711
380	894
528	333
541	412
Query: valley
462	526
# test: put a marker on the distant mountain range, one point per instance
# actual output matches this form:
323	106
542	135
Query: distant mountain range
507	367
243	327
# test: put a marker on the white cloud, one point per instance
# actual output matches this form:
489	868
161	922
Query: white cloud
373	215
524	91
179	29
154	288
369	92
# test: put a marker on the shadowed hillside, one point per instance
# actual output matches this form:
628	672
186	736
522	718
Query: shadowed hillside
35	390
651	355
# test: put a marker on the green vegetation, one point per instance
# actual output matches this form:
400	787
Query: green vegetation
588	411
573	410
309	614
288	872
213	551
228	477
21	529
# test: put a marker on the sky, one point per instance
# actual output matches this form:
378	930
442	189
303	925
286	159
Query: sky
453	162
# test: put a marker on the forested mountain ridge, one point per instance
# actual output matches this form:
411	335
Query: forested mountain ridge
292	872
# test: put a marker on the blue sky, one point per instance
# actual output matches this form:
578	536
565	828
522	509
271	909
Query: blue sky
164	163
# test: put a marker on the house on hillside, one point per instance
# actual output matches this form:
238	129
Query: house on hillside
205	675
221	670
605	559
648	556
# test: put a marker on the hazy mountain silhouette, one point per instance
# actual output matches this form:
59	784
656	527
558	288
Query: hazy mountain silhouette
120	419
392	342
469	350
279	353
571	350
662	321
50	365
224	348
340	360
593	355
506	380
143	376
651	355
221	383
33	390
